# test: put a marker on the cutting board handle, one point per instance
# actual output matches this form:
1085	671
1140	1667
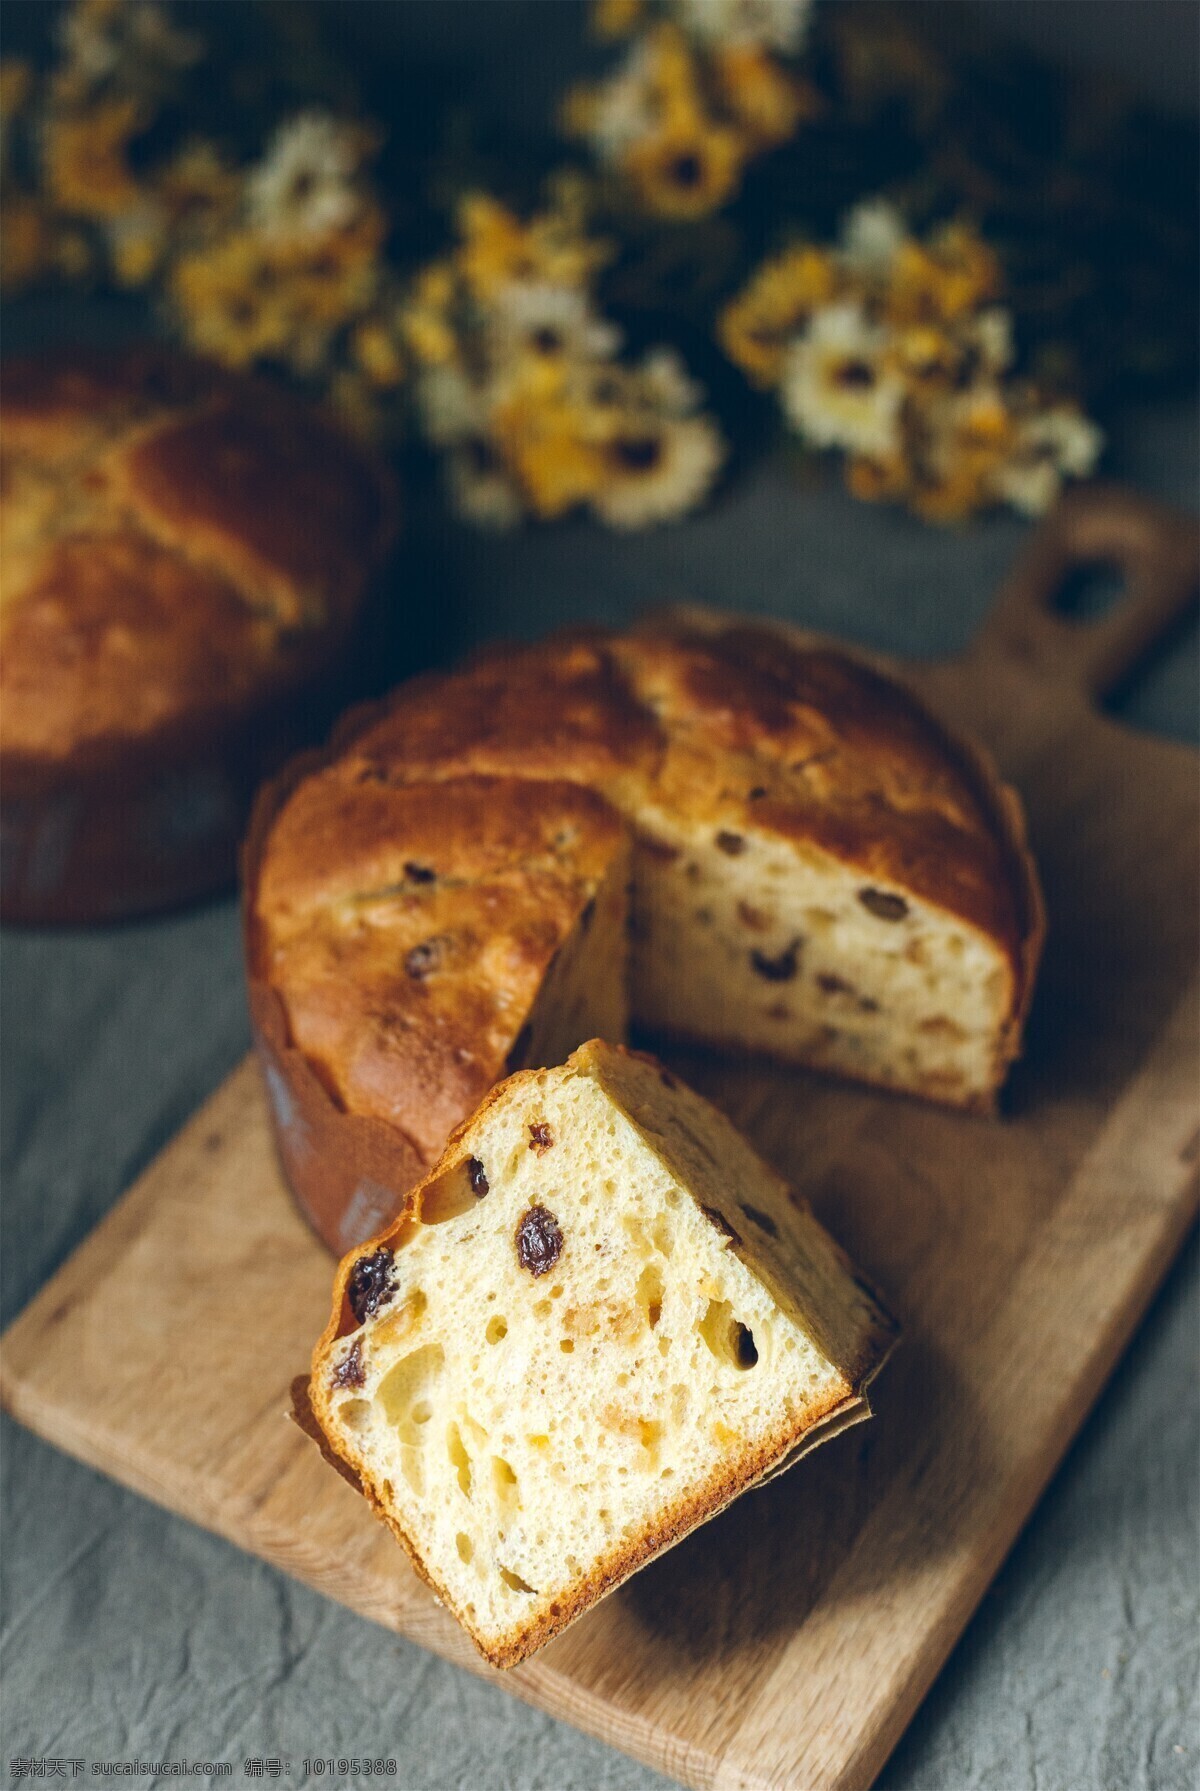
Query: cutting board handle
1154	550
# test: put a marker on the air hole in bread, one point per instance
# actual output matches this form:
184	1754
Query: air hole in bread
729	1340
635	1231
514	1582
504	1481
449	1197
566	1346
465	1547
460	1461
650	1293
650	1435
406	1385
354	1413
399	1322
497	1329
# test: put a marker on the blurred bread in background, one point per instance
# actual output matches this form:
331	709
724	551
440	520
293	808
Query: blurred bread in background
185	553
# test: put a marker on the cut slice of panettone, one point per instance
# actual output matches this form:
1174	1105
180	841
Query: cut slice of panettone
598	1320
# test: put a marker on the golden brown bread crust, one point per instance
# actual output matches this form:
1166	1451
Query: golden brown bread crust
726	724
859	1353
412	955
151	507
184	555
739	724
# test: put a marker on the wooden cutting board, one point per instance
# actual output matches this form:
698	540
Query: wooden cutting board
788	1643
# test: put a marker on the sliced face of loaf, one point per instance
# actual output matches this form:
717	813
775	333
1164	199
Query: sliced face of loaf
750	940
599	1320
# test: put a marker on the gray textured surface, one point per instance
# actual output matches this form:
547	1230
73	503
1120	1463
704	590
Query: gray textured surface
127	1634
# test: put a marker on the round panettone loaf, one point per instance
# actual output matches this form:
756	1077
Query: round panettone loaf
185	553
745	837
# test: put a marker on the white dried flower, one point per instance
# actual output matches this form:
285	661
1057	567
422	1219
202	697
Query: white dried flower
625	105
305	184
1051	445
135	41
668	385
774	24
537	317
840	388
452	408
991	335
659	471
480	489
871	234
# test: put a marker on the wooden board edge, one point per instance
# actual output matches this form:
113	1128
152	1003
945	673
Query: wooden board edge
863	1769
536	1683
1164	1225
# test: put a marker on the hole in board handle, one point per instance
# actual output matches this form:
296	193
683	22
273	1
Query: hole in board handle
1089	591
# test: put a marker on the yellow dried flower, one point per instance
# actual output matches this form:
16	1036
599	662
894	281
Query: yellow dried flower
765	100
229	299
673	69
969	439
545	443
85	158
617	18
888	350
949	277
242	299
519	383
377	353
197	189
26	243
757	326
928	356
16	85
695	97
425	320
877	481
497	249
688	168
137	244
